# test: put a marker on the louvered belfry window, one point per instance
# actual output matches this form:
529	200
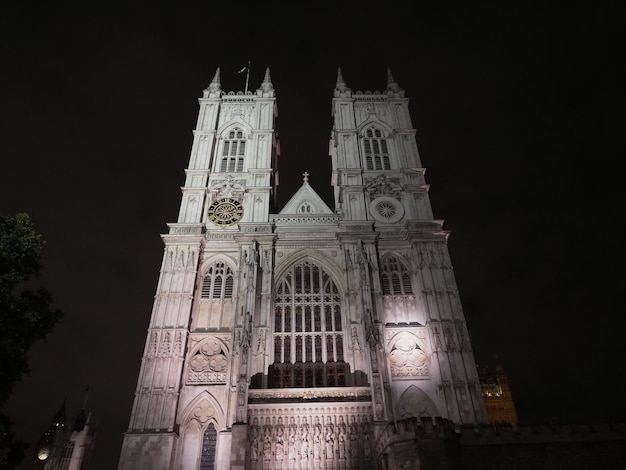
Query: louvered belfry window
395	278
308	330
233	151
376	152
218	282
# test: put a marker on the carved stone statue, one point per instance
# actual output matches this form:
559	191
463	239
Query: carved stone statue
292	444
267	446
342	443
317	444
304	448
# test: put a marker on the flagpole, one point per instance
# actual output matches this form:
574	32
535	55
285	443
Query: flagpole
247	77
86	396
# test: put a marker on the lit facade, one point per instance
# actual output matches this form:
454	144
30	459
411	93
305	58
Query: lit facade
295	338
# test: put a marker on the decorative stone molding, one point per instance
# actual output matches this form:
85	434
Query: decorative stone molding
220	236
306	395
256	228
305	220
186	229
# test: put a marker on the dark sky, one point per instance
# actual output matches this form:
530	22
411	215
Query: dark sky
519	114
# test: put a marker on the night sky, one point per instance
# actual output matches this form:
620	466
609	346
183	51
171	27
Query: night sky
520	123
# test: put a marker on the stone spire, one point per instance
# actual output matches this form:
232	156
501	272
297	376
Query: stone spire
392	86
267	86
215	86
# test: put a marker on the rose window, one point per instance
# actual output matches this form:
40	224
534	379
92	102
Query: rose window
386	209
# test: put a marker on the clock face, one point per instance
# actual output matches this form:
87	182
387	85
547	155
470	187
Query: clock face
43	453
226	211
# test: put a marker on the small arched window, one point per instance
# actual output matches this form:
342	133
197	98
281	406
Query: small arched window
306	208
233	151
376	151
395	278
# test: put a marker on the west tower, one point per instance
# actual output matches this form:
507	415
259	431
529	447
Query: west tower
291	339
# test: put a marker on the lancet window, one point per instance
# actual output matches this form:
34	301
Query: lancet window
207	461
376	151
233	151
308	330
395	277
218	282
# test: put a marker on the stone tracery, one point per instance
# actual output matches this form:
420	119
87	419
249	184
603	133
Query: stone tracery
209	362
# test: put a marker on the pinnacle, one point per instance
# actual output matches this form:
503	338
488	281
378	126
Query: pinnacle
391	83
216	78
341	84
390	79
214	86
267	78
340	80
267	86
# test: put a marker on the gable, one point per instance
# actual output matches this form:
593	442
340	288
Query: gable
305	201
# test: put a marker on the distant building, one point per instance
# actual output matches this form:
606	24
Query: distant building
66	449
497	396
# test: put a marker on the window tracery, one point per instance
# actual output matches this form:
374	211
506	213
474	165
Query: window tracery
218	282
308	330
233	151
376	151
395	278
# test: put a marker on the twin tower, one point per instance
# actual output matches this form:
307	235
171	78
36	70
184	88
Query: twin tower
295	339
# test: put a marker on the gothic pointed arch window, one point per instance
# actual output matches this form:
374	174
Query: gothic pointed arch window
218	282
215	291
395	277
308	330
209	440
375	150
233	151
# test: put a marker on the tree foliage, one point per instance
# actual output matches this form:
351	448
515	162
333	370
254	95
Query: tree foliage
26	312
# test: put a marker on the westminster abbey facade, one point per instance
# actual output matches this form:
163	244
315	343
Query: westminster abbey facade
299	338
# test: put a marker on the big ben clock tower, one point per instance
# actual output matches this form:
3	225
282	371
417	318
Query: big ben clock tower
295	339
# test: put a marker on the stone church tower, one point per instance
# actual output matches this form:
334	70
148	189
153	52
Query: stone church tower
292	340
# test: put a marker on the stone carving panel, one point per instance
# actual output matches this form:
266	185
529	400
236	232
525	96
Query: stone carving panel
407	359
310	438
208	363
